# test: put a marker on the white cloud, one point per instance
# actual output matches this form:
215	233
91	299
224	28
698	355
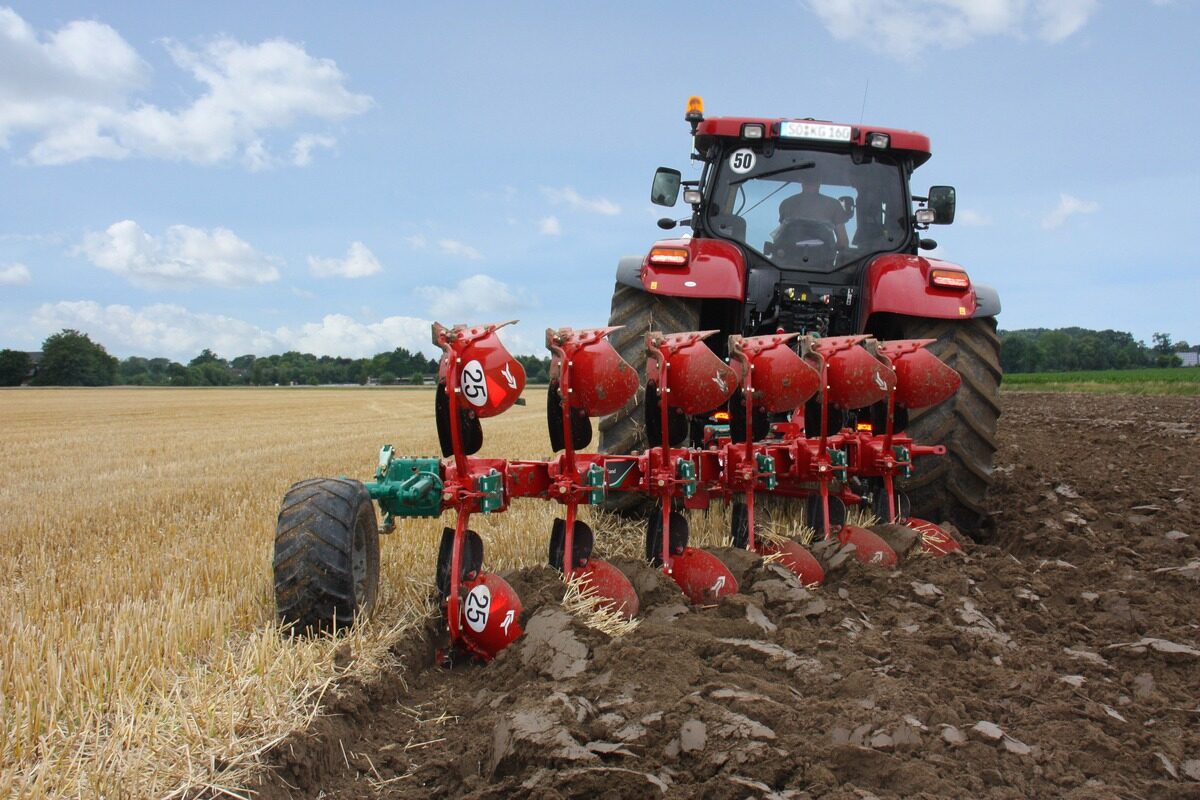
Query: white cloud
1068	206
15	275
256	157
358	263
302	148
340	335
973	219
479	298
75	92
157	330
905	30
549	226
174	331
572	199
1059	19
452	247
181	258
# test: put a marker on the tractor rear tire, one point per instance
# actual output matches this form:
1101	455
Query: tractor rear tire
639	312
326	556
953	488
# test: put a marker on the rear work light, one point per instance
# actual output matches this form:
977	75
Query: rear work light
692	196
669	256
949	279
879	140
752	130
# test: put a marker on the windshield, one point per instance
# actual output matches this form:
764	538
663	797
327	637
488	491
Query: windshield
810	210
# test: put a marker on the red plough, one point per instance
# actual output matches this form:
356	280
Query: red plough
787	398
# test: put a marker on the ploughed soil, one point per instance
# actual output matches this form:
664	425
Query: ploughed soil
1061	660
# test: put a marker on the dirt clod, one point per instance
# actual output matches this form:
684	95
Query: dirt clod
693	735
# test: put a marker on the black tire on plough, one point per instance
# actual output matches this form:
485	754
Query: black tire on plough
326	555
639	312
954	488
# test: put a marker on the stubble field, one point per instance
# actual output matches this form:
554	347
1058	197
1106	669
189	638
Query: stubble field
138	648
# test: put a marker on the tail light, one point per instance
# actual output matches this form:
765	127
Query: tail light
669	256
949	279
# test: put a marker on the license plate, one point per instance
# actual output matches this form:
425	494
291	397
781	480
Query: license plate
815	130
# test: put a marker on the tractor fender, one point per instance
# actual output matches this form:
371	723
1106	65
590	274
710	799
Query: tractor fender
898	283
987	300
714	269
629	271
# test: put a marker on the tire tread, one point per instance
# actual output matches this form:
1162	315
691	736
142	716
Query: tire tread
313	559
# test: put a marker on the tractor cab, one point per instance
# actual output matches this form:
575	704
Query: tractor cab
808	204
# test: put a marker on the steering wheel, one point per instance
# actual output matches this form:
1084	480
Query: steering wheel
804	240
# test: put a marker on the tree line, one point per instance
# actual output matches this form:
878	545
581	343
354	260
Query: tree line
71	358
1067	349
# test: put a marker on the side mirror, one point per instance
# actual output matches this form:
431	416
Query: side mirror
941	203
665	189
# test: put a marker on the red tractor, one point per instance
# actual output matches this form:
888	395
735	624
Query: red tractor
810	227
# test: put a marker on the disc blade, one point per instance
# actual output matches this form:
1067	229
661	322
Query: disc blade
870	548
934	540
613	586
491	616
703	577
795	557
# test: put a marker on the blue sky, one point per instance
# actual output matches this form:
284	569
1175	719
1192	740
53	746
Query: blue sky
272	176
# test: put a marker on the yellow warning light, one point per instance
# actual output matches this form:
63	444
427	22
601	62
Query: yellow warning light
864	427
721	416
695	105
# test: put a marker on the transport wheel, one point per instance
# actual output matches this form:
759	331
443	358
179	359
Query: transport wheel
326	555
954	487
640	312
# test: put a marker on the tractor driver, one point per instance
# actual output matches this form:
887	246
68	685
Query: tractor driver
811	204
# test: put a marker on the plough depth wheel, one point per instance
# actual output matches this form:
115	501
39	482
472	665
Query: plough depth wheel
326	555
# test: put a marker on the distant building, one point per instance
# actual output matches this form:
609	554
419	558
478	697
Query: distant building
1190	358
